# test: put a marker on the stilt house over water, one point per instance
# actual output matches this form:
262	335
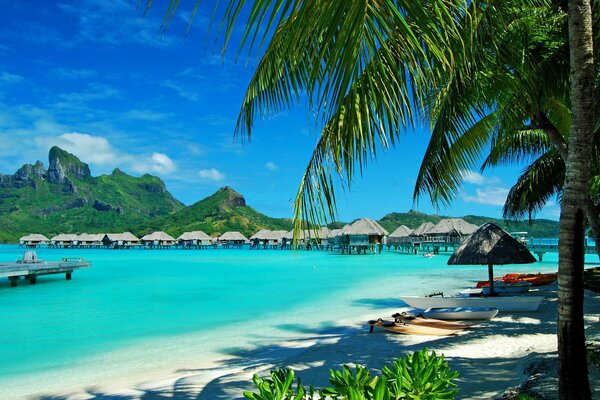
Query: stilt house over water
88	240
232	238
195	238
400	235
158	239
121	240
418	235
362	235
34	240
452	230
64	240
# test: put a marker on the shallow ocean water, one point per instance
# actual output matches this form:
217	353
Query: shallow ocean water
137	311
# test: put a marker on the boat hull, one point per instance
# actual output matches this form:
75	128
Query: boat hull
409	329
461	314
503	287
502	303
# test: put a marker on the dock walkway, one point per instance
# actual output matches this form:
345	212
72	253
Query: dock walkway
31	270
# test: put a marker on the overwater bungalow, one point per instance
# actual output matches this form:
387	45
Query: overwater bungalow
158	239
232	239
418	234
87	240
266	239
64	240
33	240
451	230
400	235
362	235
124	240
193	239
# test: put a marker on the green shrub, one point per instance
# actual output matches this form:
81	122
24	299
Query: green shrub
421	375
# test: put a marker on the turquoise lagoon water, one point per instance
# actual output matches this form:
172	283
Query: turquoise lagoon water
137	311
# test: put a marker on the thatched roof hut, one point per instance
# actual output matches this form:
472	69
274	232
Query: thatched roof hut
266	234
490	245
364	227
161	237
194	235
422	229
401	232
452	225
125	237
64	238
34	238
233	236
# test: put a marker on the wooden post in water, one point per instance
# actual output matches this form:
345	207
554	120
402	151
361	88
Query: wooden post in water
68	275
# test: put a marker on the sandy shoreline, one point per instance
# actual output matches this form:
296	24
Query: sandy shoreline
490	359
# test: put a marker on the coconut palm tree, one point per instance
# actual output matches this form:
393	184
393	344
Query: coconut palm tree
369	69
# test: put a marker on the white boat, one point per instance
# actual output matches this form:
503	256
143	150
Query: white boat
503	287
460	314
502	303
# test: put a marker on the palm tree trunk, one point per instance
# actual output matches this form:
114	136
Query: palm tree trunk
573	372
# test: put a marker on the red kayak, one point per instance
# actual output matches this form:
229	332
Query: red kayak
535	279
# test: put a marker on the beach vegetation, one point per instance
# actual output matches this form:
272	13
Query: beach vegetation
421	375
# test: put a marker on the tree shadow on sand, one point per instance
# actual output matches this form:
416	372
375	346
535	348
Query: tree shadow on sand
317	350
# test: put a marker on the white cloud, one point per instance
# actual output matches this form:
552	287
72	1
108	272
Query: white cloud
271	166
475	178
159	163
90	149
494	196
212	174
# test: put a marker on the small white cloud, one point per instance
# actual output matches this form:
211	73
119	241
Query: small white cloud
162	163
493	196
212	174
271	166
475	178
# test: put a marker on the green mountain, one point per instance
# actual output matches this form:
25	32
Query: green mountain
66	198
541	228
225	210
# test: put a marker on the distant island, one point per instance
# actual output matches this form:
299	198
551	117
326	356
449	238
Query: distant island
65	198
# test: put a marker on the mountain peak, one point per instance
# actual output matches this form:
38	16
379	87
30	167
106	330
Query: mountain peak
65	165
231	198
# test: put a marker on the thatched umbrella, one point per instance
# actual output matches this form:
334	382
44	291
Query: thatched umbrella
491	245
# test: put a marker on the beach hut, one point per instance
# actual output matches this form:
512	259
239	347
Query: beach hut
64	240
195	238
400	235
33	240
232	238
418	234
267	238
451	230
120	240
490	245
363	234
90	240
158	239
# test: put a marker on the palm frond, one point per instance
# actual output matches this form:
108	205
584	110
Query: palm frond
540	181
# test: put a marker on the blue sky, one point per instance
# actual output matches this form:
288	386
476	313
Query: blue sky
102	81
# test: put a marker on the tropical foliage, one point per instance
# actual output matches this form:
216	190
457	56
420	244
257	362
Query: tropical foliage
420	375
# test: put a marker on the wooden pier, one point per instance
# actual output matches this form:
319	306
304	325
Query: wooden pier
31	270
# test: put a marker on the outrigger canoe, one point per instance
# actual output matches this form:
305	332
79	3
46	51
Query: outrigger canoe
399	327
422	320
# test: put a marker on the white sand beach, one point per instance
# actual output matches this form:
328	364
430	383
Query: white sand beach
509	351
